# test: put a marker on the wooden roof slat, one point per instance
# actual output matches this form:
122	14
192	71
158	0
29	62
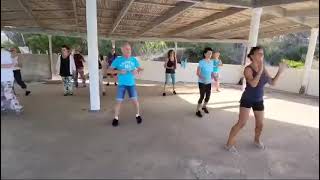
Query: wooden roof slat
74	4
122	13
265	3
27	10
311	12
172	13
281	13
209	19
204	20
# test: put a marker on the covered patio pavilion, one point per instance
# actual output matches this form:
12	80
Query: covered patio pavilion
236	21
60	139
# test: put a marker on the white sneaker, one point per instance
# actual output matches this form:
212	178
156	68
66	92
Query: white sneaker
231	149
260	145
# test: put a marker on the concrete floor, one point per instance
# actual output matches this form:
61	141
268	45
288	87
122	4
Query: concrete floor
57	137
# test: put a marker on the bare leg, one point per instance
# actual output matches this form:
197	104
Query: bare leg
259	116
243	117
137	106
117	109
218	85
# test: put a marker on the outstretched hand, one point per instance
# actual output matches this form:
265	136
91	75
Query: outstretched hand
282	66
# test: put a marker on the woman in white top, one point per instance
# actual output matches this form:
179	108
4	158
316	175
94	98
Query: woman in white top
17	71
8	99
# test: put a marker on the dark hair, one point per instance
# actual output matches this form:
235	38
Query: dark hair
65	46
207	49
175	60
253	50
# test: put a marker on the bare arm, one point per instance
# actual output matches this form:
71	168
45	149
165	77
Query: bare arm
220	64
165	64
199	73
253	81
274	80
139	69
7	65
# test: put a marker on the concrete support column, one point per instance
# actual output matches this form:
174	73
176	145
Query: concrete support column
309	59
92	38
50	57
113	43
175	46
253	35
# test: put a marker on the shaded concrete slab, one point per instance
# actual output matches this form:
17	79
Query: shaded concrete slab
57	137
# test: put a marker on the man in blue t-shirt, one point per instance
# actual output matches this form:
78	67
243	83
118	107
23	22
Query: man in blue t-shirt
126	67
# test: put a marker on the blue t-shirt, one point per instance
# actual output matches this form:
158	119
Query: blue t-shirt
127	64
216	63
206	69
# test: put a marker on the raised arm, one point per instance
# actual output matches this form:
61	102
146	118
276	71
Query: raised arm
273	80
253	81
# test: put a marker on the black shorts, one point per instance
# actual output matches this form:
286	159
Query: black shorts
256	106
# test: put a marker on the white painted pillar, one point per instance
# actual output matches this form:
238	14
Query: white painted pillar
176	46
253	34
92	38
50	57
309	59
113	43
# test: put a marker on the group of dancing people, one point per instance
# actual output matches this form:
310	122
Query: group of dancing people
69	66
126	67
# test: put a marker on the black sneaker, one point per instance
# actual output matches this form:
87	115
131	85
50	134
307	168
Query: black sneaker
115	84
163	94
115	122
139	119
174	92
108	84
205	110
198	113
27	93
66	94
71	94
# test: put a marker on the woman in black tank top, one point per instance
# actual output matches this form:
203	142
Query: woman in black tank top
256	76
170	65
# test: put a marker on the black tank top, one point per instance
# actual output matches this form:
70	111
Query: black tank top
170	64
255	94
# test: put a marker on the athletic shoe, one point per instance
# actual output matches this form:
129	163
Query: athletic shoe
174	92
66	94
205	110
259	145
115	84
27	93
139	119
163	94
108	84
231	149
115	122
198	113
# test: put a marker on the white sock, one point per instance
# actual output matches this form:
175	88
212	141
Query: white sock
116	117
137	115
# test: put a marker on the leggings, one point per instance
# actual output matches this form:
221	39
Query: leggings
205	92
18	78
